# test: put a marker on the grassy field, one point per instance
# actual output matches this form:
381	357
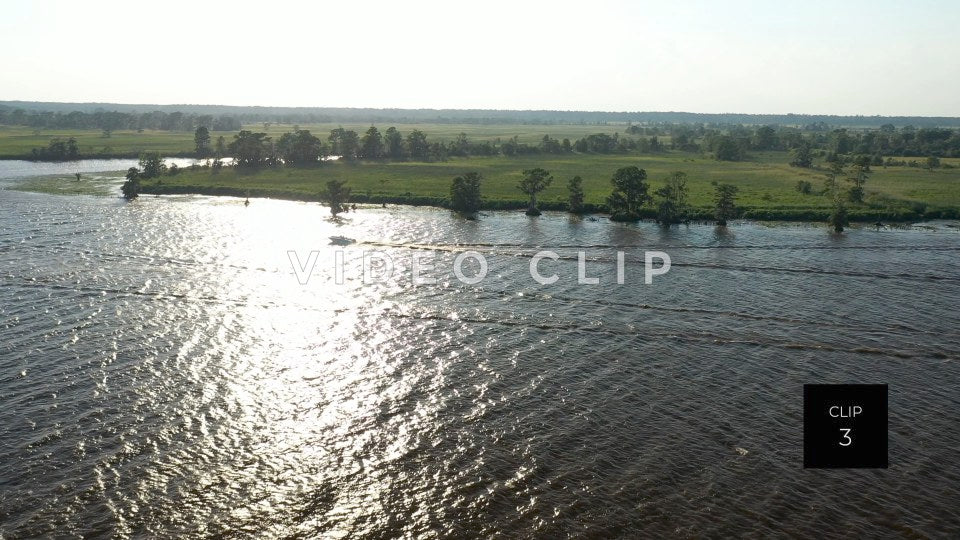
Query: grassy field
767	183
16	142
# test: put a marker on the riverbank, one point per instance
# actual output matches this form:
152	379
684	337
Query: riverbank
767	187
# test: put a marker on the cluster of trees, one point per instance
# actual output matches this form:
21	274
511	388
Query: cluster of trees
630	195
855	177
602	143
931	162
151	165
113	120
58	150
843	186
732	143
300	147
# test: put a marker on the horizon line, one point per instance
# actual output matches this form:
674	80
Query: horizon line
591	111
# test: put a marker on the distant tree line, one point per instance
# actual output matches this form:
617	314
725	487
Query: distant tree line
111	120
293	115
301	147
733	143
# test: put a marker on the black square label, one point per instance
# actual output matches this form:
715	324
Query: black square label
845	426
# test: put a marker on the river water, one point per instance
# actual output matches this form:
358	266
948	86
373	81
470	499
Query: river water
164	373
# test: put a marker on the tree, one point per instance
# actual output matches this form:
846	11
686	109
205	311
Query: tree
371	146
534	181
549	145
72	151
151	165
131	188
765	138
802	156
728	150
438	151
725	203
629	194
840	141
394	143
336	195
465	193
461	146
830	181
300	148
804	187
673	199
575	186
838	218
221	147
861	168
344	143
249	149
201	141
417	145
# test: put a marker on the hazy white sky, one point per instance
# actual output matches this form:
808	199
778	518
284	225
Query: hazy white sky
832	57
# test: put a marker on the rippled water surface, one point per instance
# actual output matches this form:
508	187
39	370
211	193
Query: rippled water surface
163	373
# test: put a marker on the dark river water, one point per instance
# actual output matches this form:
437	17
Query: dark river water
164	373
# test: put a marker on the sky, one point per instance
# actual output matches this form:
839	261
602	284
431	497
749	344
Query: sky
811	57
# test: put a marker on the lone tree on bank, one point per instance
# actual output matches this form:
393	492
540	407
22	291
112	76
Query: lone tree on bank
465	193
629	194
673	199
838	218
336	195
131	188
534	181
575	185
725	206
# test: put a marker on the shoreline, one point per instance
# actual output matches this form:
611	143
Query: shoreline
766	194
110	155
697	215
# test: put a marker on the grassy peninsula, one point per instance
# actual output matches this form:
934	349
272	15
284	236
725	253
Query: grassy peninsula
767	184
779	172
